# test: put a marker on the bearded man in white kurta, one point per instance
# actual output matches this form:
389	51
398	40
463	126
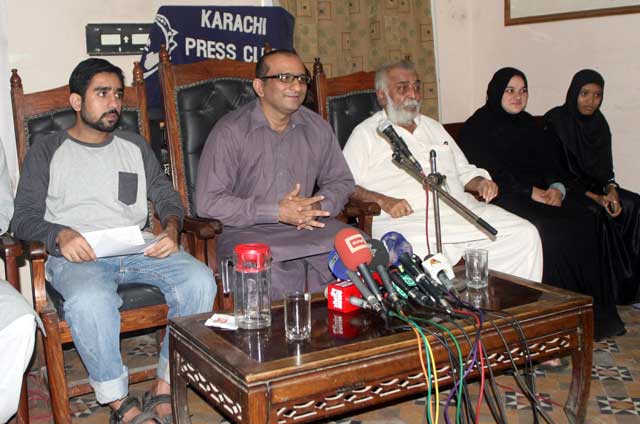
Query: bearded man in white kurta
517	248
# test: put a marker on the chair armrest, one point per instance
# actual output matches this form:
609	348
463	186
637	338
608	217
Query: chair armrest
10	247
35	250
36	253
356	208
361	212
202	228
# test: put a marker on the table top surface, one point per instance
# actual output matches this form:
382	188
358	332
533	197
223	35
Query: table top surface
256	355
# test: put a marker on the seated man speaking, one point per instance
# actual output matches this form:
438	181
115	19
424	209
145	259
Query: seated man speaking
516	250
92	177
272	172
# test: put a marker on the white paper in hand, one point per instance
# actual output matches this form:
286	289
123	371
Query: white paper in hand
117	241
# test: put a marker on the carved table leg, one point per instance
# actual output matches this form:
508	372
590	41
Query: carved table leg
178	391
581	357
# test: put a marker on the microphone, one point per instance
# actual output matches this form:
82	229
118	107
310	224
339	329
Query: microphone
356	255
426	282
337	266
386	128
364	290
439	269
396	245
343	296
411	291
379	253
379	263
410	268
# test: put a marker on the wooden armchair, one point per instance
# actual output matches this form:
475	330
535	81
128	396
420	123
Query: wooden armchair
35	116
344	102
195	97
11	251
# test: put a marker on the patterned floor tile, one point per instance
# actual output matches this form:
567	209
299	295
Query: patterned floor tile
84	407
606	346
600	372
144	349
515	400
618	405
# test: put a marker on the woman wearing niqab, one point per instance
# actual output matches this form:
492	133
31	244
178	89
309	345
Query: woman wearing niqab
507	141
584	137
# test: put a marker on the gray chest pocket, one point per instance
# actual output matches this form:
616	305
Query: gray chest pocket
127	187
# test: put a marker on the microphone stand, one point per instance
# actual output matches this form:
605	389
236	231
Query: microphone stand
434	182
436	202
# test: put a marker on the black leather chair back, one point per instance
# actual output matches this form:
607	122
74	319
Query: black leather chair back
346	111
40	126
200	106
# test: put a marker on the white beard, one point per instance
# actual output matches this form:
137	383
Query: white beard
399	114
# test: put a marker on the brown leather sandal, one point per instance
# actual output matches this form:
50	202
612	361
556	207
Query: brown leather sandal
149	402
117	416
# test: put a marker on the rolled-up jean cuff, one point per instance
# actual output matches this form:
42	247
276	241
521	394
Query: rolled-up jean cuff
163	372
111	390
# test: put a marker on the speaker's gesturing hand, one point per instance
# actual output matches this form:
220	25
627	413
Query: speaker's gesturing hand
301	211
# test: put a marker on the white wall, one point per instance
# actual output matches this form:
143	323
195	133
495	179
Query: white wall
46	39
472	43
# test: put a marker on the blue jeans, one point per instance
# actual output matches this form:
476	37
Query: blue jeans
91	308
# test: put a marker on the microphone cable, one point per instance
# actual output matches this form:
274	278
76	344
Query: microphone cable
497	409
528	362
535	403
430	364
460	369
523	345
529	375
483	389
478	349
498	413
466	398
527	384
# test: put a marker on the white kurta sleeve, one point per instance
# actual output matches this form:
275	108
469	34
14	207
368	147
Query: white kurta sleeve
356	152
466	170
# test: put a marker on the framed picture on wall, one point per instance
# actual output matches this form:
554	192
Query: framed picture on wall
526	11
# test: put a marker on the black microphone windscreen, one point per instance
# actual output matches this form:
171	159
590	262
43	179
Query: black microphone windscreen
380	254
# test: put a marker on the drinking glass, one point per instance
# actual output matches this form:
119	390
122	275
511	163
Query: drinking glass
477	268
297	315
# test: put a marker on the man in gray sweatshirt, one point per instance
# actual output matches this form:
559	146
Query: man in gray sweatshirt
94	177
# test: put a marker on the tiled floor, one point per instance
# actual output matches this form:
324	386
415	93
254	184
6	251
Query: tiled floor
614	396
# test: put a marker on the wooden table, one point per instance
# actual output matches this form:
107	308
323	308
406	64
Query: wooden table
353	361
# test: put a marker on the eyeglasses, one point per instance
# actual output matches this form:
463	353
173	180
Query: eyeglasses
289	78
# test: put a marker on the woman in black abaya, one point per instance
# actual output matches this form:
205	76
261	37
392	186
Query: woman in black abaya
505	140
583	134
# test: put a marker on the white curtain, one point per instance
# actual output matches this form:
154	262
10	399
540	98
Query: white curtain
6	116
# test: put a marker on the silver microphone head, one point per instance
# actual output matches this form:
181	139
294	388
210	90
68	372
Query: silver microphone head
384	125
